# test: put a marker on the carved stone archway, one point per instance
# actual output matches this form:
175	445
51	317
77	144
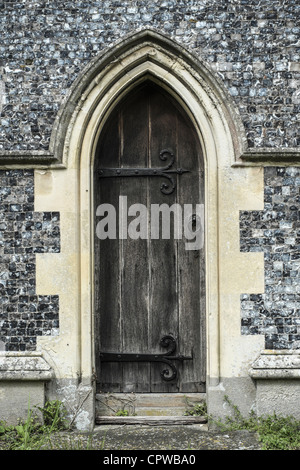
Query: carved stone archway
147	55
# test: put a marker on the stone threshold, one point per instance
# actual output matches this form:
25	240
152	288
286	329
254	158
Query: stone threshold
151	420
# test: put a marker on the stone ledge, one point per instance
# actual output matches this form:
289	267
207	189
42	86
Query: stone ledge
23	158
271	155
279	364
22	366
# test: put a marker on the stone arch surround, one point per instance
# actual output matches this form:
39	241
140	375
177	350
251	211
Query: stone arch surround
149	55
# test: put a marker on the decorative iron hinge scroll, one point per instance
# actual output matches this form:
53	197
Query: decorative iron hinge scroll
165	172
166	342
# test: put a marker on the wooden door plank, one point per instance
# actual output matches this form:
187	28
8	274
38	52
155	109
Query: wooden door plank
163	252
134	255
107	306
189	269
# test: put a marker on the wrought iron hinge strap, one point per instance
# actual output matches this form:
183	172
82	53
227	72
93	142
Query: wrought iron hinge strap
165	172
166	358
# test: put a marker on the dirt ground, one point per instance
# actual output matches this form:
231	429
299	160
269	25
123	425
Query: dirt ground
147	437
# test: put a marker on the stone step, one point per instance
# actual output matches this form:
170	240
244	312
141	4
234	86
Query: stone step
151	420
147	404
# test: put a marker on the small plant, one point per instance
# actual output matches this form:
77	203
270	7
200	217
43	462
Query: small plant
31	434
122	413
274	432
54	415
23	436
195	409
198	409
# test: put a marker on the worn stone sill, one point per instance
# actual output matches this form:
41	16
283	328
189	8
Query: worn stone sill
279	364
23	366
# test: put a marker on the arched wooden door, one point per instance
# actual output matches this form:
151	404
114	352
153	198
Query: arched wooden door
149	291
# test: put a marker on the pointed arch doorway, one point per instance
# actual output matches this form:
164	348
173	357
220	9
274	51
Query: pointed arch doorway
149	284
91	101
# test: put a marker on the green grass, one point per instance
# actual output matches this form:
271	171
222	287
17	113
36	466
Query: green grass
53	433
31	434
273	431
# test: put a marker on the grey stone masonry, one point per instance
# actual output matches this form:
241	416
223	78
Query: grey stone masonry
276	232
252	46
24	315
